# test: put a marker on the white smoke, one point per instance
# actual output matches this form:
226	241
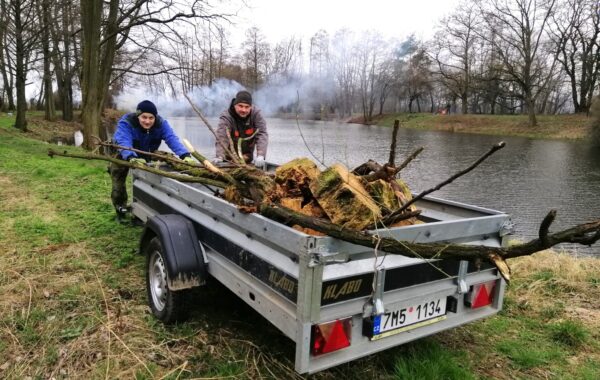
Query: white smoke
277	96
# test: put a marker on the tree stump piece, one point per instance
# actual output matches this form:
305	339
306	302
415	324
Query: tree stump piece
295	177
344	198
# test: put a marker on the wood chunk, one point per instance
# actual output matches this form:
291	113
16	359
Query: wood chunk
344	198
295	177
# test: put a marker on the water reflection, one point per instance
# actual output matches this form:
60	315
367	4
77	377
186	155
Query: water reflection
525	179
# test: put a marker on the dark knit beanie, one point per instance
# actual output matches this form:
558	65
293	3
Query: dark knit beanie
146	106
243	97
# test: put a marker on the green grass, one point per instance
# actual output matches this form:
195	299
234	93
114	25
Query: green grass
569	333
428	360
73	303
549	126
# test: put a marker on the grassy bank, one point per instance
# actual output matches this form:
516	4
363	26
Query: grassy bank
549	126
72	301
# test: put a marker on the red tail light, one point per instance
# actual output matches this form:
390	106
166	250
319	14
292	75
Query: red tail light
480	295
331	336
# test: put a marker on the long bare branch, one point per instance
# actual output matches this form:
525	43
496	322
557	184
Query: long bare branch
179	177
586	234
495	148
230	152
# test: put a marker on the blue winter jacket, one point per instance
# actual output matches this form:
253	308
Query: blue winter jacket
130	133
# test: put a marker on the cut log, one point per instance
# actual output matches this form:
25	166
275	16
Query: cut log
311	209
295	177
344	199
382	193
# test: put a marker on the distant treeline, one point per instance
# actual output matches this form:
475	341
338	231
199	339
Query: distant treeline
494	57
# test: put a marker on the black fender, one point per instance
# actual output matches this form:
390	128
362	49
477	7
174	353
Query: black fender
182	253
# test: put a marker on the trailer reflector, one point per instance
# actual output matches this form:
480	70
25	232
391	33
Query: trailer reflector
331	336
480	295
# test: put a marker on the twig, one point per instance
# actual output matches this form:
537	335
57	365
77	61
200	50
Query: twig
494	148
545	226
396	219
209	165
302	135
149	154
179	177
231	153
412	156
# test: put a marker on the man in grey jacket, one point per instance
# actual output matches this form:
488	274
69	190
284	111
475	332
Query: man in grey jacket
247	128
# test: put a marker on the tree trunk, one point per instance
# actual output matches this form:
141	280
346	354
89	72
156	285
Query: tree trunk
21	70
98	57
49	111
464	100
530	104
62	61
91	18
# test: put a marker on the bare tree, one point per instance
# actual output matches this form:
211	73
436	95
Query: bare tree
287	59
65	57
519	27
6	66
21	30
320	71
344	69
454	51
384	82
370	57
106	27
575	31
256	56
44	7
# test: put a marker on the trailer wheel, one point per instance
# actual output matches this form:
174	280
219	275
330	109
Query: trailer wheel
167	305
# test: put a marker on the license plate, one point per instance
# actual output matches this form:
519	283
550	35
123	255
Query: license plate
409	317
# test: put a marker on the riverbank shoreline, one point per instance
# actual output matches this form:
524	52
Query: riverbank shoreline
565	127
554	127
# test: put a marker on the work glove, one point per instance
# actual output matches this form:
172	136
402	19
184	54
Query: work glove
138	161
260	162
189	160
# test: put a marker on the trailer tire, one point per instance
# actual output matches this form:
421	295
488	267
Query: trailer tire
167	305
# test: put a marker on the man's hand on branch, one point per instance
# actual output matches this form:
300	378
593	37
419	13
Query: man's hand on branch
137	161
189	160
260	162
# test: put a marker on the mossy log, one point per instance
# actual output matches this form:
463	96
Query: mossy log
344	198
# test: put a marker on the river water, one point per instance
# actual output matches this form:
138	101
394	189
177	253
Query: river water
526	179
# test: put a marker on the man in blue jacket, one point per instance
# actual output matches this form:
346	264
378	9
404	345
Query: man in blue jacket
144	130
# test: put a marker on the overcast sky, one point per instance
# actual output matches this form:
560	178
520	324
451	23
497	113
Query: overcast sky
279	19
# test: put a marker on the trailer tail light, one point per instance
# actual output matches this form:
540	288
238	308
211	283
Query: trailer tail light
480	295
331	336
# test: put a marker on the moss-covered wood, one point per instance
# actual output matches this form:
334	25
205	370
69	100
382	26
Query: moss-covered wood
344	198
